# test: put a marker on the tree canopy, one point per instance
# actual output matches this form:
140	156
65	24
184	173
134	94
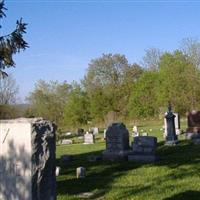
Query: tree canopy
11	43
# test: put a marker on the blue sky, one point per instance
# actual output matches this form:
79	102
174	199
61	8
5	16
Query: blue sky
65	35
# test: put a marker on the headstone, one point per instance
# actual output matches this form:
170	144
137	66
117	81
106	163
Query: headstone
171	138
66	141
80	172
177	124
104	134
89	138
143	149
27	159
193	130
58	171
117	142
135	131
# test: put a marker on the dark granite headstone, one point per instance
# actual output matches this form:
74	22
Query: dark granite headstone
143	149
171	137
193	130
117	142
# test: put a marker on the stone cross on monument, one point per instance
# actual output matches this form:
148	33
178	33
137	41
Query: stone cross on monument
171	138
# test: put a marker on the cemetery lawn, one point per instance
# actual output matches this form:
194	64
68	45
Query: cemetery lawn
176	176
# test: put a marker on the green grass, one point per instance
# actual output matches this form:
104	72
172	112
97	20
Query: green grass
176	176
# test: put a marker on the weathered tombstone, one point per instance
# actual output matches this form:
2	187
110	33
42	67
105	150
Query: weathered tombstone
27	159
66	141
80	172
171	138
135	131
177	124
104	134
117	142
193	130
143	149
89	138
58	170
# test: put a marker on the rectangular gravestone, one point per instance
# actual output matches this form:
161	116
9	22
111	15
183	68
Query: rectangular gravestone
193	130
176	122
117	142
27	159
89	138
143	149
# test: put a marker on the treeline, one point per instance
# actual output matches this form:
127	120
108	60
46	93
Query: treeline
113	87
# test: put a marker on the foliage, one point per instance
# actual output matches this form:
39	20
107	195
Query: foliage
8	90
191	48
76	110
48	100
108	83
151	59
12	43
143	102
178	82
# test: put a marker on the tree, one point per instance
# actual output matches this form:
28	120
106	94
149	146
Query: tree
76	110
8	90
179	81
11	44
151	58
108	83
48	100
191	48
142	102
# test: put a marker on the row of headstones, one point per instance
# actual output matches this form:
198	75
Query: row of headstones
143	148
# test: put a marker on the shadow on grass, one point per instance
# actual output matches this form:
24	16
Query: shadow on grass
101	174
190	195
174	156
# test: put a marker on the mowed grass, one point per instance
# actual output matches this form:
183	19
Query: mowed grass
176	176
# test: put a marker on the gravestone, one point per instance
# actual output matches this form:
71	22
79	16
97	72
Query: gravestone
89	138
171	137
135	131
143	149
27	159
193	120
66	141
177	124
117	142
104	134
80	172
57	170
